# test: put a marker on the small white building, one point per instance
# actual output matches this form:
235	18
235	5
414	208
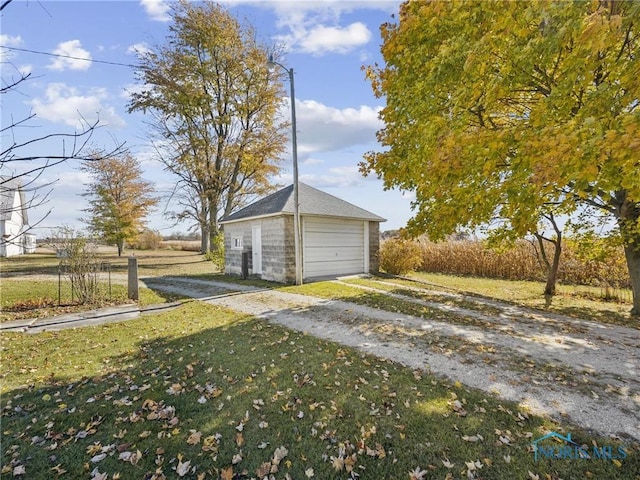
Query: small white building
338	238
14	221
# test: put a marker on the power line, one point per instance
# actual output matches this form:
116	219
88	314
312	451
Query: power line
69	56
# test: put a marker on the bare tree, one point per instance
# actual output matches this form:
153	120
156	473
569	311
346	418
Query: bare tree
22	170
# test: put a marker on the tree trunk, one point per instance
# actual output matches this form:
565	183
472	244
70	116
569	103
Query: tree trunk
551	268
628	216
213	224
120	245
204	238
552	272
632	254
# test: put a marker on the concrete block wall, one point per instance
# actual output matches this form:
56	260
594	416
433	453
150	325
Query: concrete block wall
273	249
278	253
233	257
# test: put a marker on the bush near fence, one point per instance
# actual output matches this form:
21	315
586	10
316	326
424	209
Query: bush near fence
521	262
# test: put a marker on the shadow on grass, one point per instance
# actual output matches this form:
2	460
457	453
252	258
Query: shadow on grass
222	391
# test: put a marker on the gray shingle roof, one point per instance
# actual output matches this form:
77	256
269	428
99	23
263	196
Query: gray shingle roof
312	202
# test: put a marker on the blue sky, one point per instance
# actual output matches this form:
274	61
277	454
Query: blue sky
326	43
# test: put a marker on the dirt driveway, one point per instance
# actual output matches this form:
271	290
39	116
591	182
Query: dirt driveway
581	371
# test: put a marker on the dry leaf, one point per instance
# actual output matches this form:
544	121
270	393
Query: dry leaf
417	474
263	470
183	467
194	438
19	470
227	474
279	455
447	463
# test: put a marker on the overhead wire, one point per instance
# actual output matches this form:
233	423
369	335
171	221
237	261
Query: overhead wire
69	57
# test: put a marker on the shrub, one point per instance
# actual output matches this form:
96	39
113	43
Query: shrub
147	240
79	259
216	256
399	256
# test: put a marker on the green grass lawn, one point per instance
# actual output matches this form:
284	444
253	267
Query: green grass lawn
26	299
23	298
202	392
580	301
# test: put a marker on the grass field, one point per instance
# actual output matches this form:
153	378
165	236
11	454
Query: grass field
150	262
202	392
580	301
33	288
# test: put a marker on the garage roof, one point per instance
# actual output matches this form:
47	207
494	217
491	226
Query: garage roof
312	202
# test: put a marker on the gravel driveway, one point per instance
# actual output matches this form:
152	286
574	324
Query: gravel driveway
581	371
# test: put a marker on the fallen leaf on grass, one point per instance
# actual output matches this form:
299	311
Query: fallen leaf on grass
58	470
194	438
227	474
98	458
96	475
417	474
447	463
263	470
19	470
175	389
279	454
183	467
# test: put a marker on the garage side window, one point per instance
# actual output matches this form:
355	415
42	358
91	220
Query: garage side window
236	243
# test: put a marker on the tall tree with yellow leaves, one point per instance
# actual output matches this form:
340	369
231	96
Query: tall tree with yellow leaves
213	109
508	111
119	199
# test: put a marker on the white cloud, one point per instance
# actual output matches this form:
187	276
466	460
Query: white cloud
322	128
64	104
138	48
130	89
71	48
313	26
312	161
25	69
335	177
321	39
157	9
10	41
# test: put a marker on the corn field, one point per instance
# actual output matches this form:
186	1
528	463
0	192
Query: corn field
522	262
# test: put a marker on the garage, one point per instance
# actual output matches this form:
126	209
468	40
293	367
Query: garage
338	238
333	246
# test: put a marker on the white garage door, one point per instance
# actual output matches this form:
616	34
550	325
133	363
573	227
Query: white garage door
333	247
